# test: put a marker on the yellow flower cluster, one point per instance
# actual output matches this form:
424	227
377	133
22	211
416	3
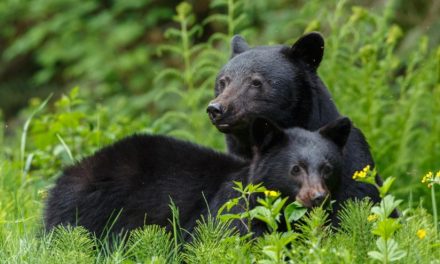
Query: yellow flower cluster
271	193
427	177
430	179
421	233
372	217
361	174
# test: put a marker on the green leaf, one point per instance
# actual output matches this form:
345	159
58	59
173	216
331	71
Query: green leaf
169	74
383	190
228	205
278	205
263	202
260	212
271	252
386	207
393	251
294	211
228	217
264	214
375	255
386	228
216	18
238	186
252	188
169	48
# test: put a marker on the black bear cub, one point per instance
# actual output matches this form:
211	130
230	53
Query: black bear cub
130	183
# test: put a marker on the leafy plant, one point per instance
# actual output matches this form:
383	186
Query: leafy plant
274	247
215	242
71	245
153	243
241	204
387	248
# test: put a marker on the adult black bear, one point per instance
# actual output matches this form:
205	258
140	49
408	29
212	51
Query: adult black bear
133	180
281	83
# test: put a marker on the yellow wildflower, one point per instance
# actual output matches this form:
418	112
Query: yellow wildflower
430	179
427	177
361	174
421	233
372	217
271	193
366	169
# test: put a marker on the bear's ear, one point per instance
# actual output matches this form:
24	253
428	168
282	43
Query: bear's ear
265	134
238	45
309	48
337	131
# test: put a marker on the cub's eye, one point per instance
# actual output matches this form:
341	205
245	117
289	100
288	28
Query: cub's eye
221	84
256	83
295	170
327	170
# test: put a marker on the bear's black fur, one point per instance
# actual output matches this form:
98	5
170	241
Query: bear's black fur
134	179
282	84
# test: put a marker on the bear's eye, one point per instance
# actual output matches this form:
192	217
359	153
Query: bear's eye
256	83
221	84
295	170
327	170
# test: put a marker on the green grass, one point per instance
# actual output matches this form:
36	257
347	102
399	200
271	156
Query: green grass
393	98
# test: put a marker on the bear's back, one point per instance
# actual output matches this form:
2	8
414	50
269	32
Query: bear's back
129	174
130	158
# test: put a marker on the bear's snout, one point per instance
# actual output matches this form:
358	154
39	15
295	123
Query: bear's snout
318	198
225	116
312	197
215	111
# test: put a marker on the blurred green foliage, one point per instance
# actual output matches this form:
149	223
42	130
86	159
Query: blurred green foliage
104	45
109	47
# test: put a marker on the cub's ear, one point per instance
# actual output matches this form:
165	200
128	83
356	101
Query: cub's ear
337	131
309	48
238	45
265	134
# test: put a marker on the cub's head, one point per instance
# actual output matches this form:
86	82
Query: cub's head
301	164
270	81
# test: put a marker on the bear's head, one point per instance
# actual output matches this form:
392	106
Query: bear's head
301	164
270	81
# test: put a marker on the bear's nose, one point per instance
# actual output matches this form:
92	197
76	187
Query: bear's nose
215	111
318	198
